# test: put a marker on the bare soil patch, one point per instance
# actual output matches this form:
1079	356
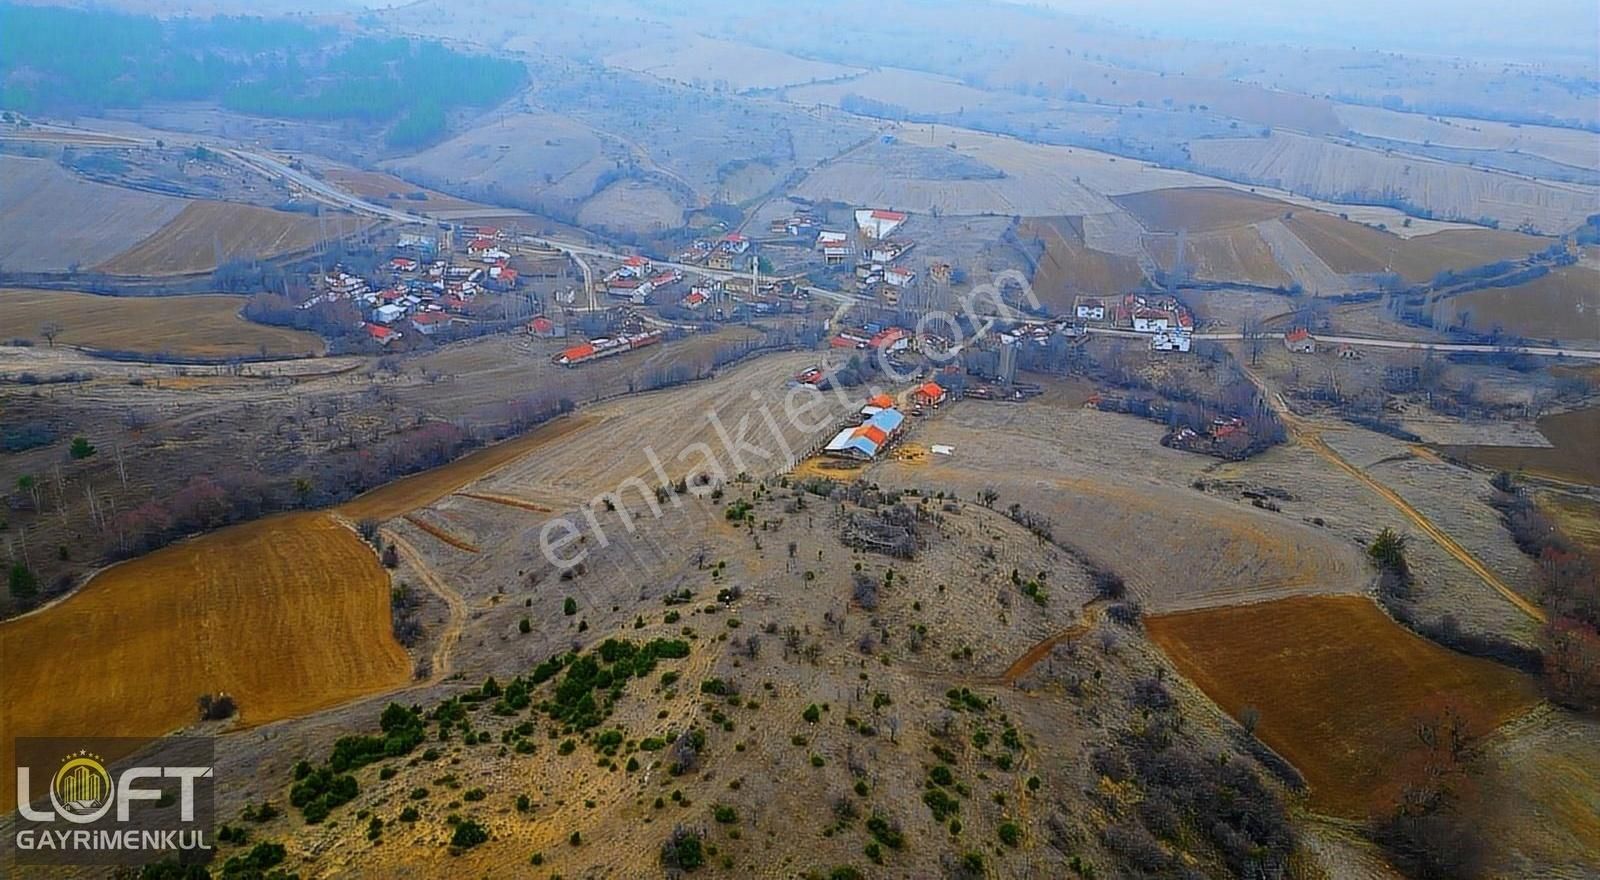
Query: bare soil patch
1336	684
1570	457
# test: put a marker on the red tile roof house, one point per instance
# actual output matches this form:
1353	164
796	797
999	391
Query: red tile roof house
542	326
480	245
429	323
383	335
929	394
1299	340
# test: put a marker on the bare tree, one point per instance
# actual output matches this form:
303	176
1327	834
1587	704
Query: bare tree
50	330
1253	337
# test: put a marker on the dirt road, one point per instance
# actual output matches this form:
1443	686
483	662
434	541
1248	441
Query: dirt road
1310	437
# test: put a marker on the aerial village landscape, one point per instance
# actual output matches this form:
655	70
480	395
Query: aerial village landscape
958	441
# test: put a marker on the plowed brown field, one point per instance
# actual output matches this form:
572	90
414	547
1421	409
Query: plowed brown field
1351	248
289	614
1336	682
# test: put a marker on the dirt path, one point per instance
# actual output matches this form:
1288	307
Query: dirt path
1311	437
440	533
1022	665
444	650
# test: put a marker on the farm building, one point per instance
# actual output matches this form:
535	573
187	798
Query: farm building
381	334
897	276
867	440
388	314
1151	321
1089	309
929	394
1300	341
1170	342
429	323
875	223
876	404
544	328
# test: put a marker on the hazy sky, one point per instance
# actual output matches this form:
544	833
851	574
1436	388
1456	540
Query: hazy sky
1524	30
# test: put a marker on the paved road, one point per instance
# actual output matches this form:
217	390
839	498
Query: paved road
271	167
1377	342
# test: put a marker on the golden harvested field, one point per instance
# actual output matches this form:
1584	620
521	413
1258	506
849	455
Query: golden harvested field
1570	457
1564	304
1350	248
1336	683
1200	208
206	325
289	614
195	239
1069	267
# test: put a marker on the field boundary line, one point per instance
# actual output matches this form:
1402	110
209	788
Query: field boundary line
440	533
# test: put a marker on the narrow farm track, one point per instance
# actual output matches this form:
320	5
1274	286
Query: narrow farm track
440	533
444	650
1311	438
1022	665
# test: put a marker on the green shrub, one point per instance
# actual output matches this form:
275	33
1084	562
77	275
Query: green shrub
468	834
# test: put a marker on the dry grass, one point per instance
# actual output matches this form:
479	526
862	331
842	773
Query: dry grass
1570	456
1541	797
51	218
701	60
208	231
420	490
204	326
1336	683
1564	304
289	614
1568	146
633	206
1576	517
1308	164
379	187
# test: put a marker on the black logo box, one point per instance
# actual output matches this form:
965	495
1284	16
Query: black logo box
153	823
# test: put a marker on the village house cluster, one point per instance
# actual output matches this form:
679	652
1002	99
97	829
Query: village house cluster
1169	322
427	288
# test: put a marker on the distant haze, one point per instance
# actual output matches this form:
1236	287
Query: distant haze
1563	31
